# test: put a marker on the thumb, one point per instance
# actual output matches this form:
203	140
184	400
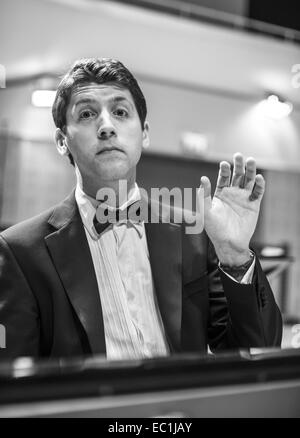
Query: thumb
206	188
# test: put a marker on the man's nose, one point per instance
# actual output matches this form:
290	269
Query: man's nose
106	128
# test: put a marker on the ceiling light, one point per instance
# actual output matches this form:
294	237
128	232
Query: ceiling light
43	98
275	107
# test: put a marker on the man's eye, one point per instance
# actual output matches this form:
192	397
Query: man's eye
120	112
86	114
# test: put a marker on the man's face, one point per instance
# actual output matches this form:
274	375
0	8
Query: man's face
104	134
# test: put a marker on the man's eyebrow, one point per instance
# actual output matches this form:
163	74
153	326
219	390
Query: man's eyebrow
117	99
85	100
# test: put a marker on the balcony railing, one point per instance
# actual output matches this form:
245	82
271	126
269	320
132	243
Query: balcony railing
192	11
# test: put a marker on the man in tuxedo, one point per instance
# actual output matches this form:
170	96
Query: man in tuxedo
70	285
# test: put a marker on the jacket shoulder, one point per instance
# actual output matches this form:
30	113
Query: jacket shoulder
36	228
28	230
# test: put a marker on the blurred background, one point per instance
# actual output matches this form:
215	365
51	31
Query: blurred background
219	77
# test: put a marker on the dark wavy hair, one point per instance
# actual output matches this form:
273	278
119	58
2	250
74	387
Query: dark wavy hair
100	71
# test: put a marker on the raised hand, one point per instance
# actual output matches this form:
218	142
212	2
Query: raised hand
231	216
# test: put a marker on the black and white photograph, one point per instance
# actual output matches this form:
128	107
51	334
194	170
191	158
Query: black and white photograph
149	211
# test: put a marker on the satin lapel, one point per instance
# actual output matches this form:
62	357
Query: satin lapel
71	256
164	244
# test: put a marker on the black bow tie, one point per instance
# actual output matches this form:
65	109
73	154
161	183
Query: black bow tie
119	215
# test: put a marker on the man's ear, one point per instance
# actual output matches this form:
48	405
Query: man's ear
146	138
60	140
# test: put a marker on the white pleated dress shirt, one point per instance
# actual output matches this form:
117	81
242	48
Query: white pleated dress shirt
132	322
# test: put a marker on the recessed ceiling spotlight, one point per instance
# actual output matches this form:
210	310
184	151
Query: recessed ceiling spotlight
275	107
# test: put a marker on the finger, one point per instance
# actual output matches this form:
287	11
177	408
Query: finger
238	170
206	186
250	173
258	189
223	176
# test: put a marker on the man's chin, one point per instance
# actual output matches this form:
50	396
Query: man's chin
114	173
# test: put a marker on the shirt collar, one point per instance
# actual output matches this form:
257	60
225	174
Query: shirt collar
87	207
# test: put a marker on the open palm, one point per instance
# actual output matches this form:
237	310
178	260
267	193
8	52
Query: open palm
231	216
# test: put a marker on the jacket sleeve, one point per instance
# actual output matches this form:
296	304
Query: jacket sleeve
241	315
18	309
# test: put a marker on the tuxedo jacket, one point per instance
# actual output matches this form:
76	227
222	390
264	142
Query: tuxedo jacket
50	303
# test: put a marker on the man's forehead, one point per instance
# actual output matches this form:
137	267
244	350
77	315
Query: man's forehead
107	91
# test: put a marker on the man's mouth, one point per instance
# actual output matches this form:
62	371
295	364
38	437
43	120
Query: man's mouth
109	150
